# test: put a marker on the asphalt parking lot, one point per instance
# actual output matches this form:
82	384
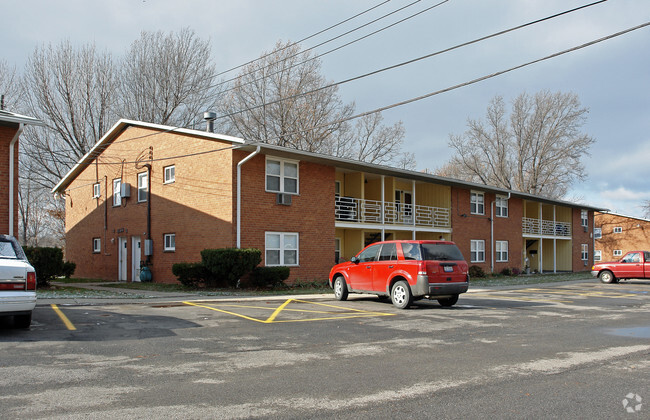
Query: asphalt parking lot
562	350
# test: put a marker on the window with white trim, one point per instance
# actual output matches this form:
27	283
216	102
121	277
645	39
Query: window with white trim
598	233
281	176
584	254
501	248
501	206
584	218
97	191
97	245
170	242
477	250
598	255
337	250
476	202
143	187
281	248
117	195
618	252
169	174
618	229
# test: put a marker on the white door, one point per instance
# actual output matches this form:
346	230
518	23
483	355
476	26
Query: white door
135	258
122	255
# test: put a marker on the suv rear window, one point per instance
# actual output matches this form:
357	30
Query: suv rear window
441	252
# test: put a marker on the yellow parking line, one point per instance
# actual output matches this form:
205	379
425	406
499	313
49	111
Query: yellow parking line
69	325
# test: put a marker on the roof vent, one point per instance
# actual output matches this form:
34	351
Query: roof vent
210	116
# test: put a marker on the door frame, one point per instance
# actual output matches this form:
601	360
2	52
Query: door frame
136	257
122	258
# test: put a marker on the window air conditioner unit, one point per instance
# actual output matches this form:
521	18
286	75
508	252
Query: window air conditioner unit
284	199
125	190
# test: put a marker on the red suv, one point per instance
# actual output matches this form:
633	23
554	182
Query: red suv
405	271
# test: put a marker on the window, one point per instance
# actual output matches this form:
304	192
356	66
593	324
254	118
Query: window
502	251
478	250
598	233
477	203
281	249
584	255
501	206
388	252
281	176
369	254
634	257
618	229
117	197
96	190
170	174
142	187
337	188
337	250
584	218
97	245
598	255
618	252
170	242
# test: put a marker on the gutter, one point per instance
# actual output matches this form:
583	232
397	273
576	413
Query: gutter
12	169
239	165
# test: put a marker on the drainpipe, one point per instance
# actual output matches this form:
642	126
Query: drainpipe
12	145
239	165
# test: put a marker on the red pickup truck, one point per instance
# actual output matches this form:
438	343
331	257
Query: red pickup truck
634	265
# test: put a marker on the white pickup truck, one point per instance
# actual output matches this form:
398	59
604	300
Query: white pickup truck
17	283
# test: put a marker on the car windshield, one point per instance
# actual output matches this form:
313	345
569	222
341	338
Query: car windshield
441	252
10	250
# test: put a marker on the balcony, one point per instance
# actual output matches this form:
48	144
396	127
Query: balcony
546	227
356	210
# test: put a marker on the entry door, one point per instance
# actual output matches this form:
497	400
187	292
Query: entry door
123	256
135	258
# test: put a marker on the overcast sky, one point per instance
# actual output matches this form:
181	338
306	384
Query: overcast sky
612	78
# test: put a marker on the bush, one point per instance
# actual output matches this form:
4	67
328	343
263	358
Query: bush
68	269
48	263
516	271
506	271
190	274
269	276
228	265
476	272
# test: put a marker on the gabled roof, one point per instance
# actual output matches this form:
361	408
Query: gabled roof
115	131
12	117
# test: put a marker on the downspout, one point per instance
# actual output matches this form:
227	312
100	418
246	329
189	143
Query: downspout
12	145
239	165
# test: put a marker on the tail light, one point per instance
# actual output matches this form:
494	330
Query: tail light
422	269
31	280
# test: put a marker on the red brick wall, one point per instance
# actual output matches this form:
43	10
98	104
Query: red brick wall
635	235
311	215
6	135
581	237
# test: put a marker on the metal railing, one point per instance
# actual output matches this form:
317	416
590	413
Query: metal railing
350	209
545	227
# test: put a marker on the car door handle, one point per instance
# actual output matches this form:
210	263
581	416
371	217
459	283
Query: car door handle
368	266
391	266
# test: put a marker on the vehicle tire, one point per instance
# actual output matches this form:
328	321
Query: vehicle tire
448	302
340	288
23	321
400	294
607	277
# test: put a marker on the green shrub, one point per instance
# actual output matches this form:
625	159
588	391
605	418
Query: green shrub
190	274
68	269
476	271
228	265
48	263
269	276
506	271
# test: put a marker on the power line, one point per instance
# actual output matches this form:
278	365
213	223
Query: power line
332	39
464	44
306	38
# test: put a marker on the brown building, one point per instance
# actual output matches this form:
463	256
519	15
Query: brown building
11	127
164	193
617	234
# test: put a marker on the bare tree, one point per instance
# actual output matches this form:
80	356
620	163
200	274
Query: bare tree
168	79
283	99
536	149
72	91
9	86
646	209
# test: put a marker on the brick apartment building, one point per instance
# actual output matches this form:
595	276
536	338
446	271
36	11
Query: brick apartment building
617	234
11	127
163	193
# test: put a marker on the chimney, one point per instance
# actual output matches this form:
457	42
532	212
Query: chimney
210	116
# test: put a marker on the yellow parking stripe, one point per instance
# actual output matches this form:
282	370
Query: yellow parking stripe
69	325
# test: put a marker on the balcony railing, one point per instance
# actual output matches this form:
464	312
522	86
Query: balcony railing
350	209
546	227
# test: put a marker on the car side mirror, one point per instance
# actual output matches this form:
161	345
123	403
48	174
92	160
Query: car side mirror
354	260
